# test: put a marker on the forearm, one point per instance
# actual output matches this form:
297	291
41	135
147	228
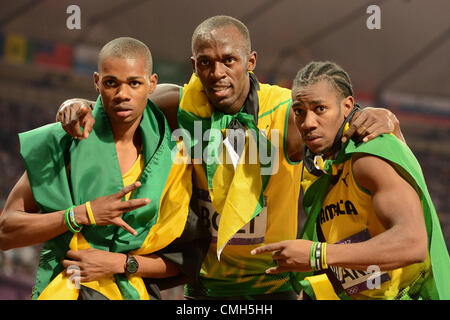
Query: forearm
388	250
150	266
21	229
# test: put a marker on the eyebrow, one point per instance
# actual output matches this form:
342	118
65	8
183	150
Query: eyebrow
128	78
299	103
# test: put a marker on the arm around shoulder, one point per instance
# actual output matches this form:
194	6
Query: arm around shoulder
167	98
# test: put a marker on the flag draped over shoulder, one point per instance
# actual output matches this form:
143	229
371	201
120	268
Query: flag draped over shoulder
387	147
95	172
237	193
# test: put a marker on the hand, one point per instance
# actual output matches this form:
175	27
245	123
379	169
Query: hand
73	114
369	123
108	210
94	264
290	255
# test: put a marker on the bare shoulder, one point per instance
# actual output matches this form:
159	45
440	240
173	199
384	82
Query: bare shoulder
372	172
167	98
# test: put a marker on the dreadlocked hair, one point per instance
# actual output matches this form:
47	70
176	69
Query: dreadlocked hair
325	70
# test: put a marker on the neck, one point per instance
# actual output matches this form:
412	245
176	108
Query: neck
237	105
127	133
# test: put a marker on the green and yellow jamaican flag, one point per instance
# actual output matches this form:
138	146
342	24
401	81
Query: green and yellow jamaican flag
388	147
237	193
95	172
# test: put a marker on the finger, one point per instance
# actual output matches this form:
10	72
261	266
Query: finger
86	120
372	132
75	122
353	125
70	265
72	254
120	223
277	255
268	248
128	189
277	269
133	204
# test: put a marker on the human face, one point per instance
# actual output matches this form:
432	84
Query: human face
319	113
221	61
124	85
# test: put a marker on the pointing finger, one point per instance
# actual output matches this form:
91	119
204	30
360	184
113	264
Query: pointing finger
268	248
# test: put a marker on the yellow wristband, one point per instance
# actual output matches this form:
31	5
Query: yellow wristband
324	255
90	214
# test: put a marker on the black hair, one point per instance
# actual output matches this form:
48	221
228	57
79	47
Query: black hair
218	22
126	47
325	70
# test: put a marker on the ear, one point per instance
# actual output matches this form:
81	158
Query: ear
153	80
251	64
347	105
193	65
97	81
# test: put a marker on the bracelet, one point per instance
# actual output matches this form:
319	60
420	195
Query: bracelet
312	256
70	219
90	213
317	256
324	255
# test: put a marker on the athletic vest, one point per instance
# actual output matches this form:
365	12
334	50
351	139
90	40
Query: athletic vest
343	213
238	273
347	216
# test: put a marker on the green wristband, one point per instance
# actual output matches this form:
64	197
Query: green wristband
69	217
312	256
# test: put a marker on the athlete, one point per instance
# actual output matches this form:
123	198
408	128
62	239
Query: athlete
68	180
367	201
245	203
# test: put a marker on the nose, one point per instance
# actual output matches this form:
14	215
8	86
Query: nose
310	121
218	71
122	92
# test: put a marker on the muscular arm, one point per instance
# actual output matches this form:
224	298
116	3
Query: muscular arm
167	98
398	208
21	224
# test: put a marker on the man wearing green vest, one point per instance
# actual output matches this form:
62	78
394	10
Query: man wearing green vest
79	185
372	231
245	203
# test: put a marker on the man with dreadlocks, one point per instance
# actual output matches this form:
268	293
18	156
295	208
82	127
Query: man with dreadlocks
371	231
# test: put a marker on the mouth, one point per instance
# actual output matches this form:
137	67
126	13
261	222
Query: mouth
311	139
123	111
220	91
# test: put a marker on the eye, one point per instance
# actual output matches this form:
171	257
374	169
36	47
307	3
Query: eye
135	83
229	60
203	62
109	83
298	112
320	109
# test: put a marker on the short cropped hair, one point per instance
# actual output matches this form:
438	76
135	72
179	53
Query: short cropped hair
127	48
218	22
325	70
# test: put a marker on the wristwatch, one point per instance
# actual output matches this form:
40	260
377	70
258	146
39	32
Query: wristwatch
131	266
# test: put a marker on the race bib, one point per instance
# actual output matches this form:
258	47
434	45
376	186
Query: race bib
252	233
355	281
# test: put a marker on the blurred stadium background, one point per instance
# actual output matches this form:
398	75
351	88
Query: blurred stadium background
404	66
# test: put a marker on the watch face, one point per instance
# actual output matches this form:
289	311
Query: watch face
132	265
